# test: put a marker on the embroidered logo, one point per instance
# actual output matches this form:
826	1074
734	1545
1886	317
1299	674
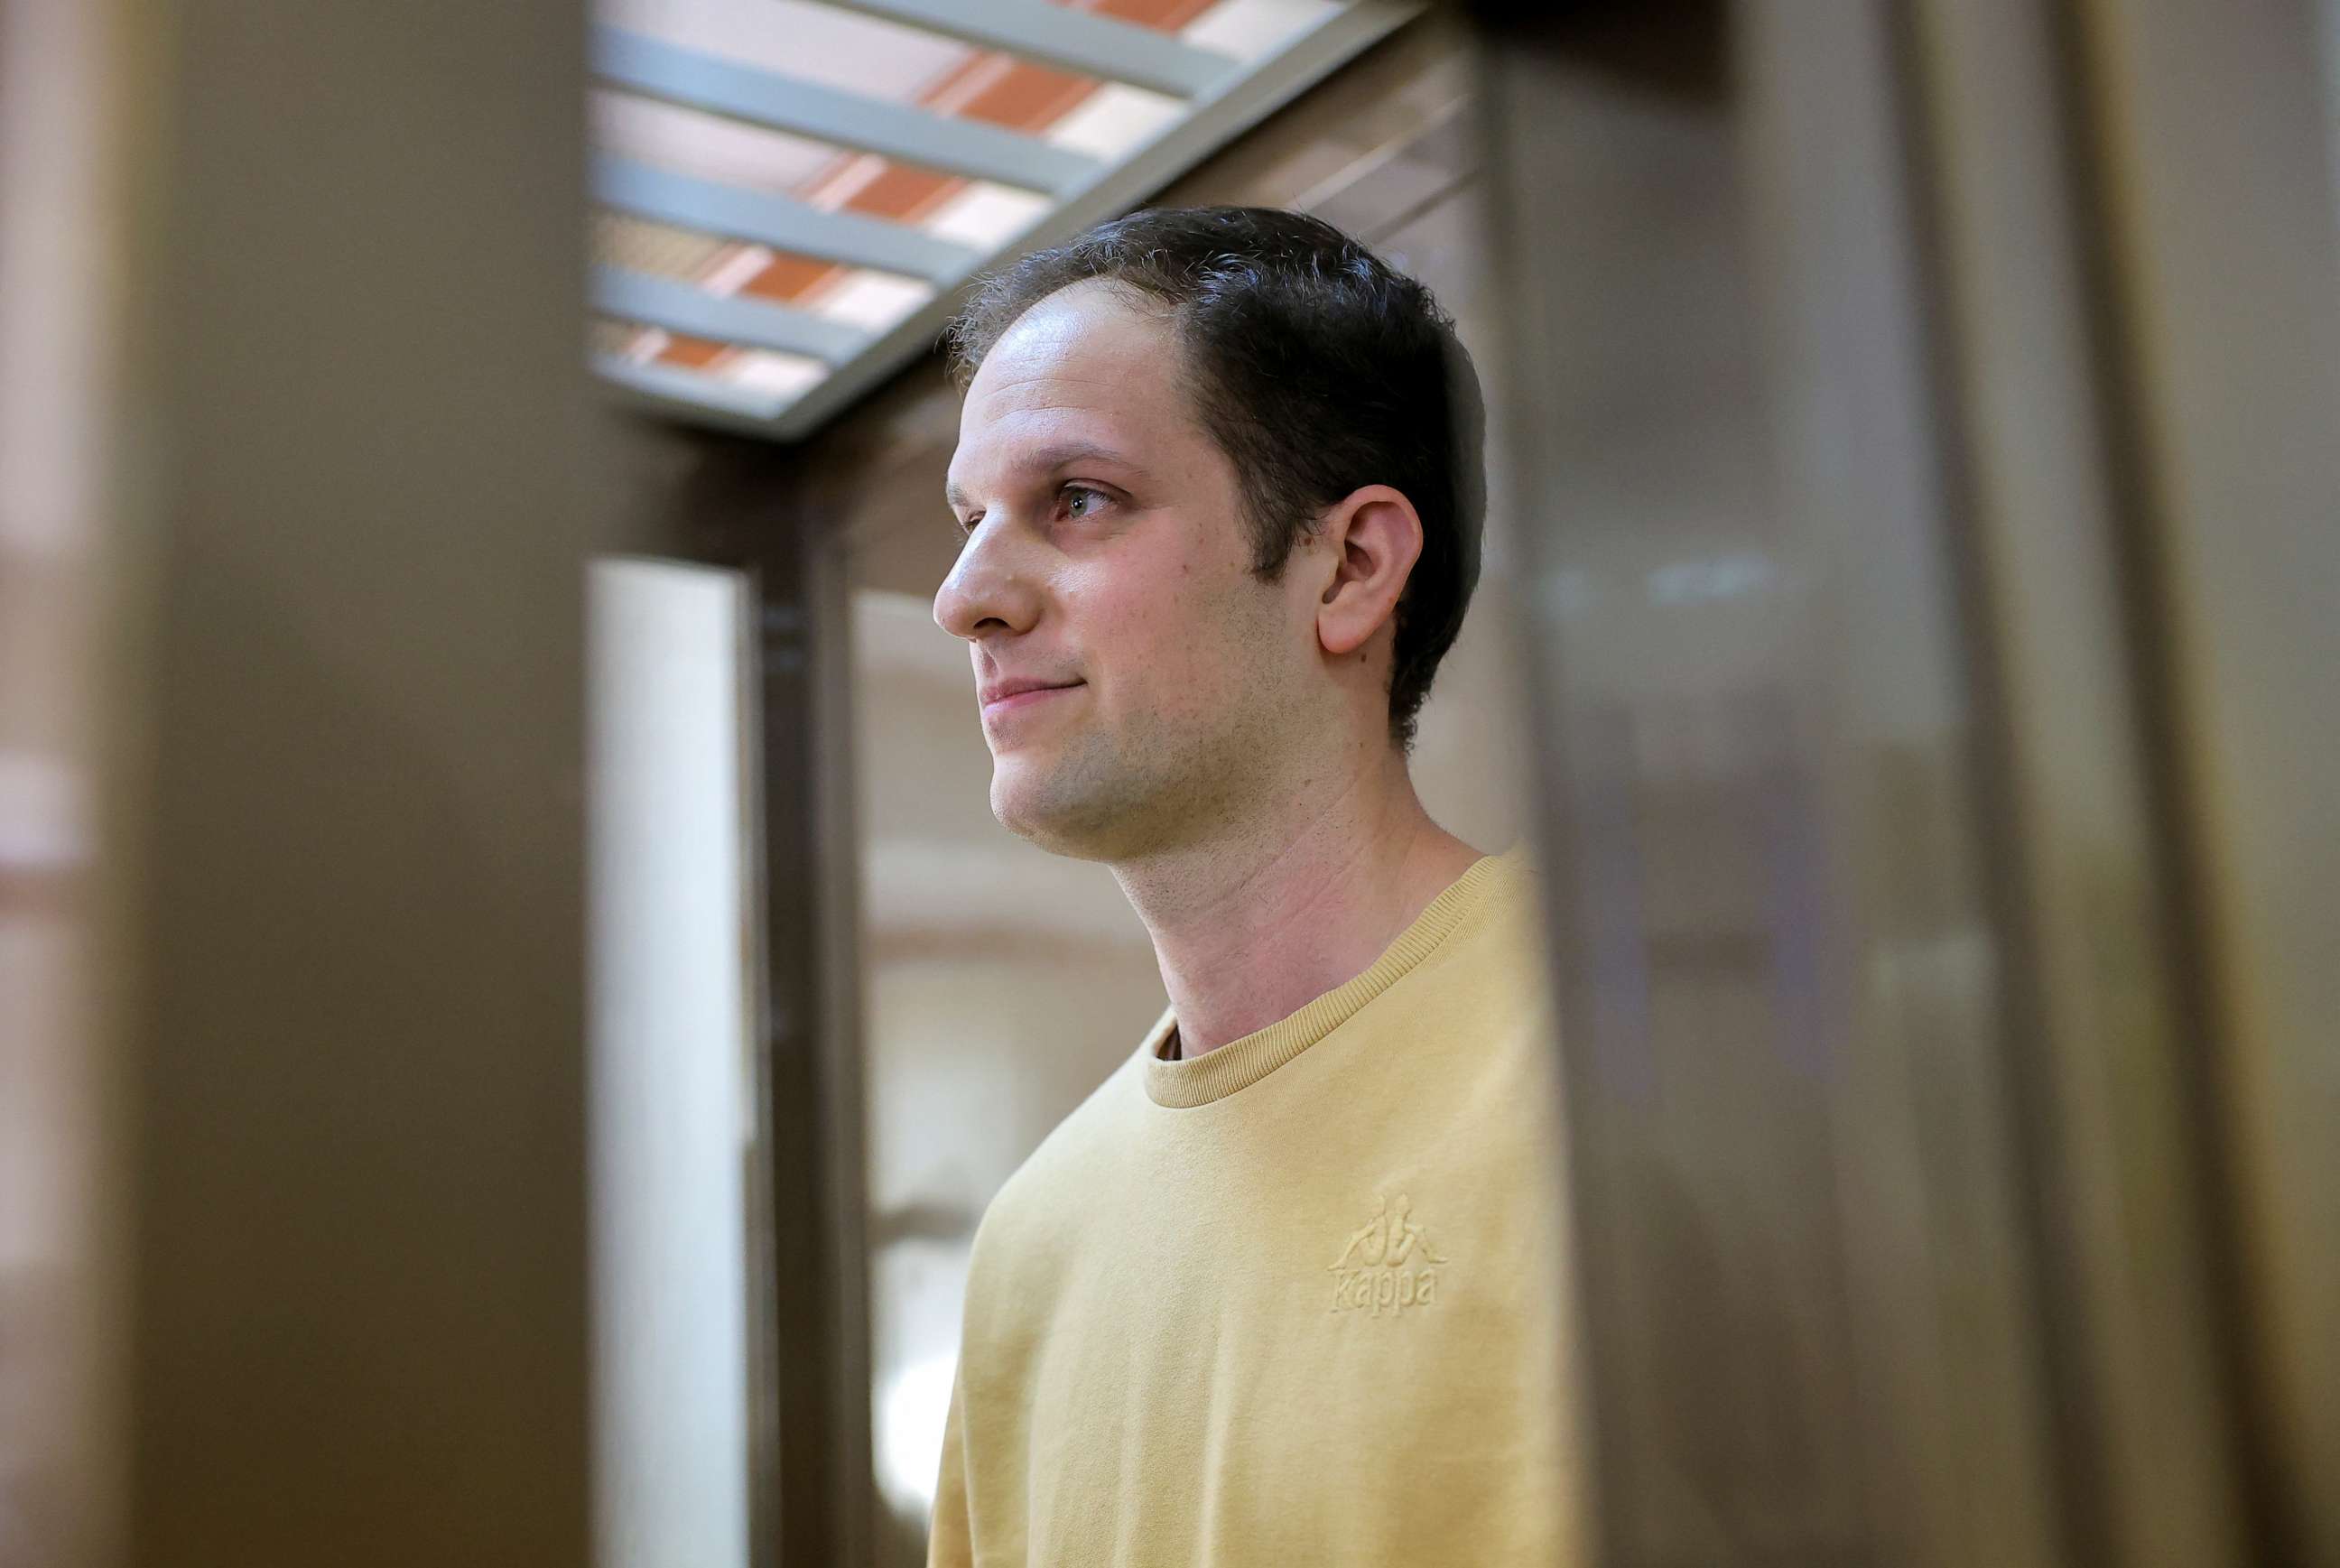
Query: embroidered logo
1387	1265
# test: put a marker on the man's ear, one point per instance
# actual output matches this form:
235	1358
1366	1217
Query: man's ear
1373	537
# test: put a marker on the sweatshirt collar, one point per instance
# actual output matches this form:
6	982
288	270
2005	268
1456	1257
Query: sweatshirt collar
1241	1063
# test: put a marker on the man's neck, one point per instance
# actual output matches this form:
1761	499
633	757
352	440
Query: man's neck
1251	926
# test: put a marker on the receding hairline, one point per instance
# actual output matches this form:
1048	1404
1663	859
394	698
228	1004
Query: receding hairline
966	358
1144	302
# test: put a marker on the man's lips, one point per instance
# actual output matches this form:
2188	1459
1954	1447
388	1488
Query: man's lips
1008	696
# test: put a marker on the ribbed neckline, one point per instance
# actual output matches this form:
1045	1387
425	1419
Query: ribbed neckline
1239	1063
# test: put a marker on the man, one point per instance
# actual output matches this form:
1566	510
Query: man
1285	1289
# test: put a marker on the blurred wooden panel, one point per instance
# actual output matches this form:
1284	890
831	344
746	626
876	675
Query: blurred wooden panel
1809	1268
1984	359
368	482
2212	125
2141	1274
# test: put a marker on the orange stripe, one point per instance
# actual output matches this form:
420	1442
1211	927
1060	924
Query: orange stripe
692	353
1024	97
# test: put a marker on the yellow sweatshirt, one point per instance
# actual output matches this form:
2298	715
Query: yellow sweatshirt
1296	1301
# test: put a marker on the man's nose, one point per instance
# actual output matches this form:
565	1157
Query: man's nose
992	590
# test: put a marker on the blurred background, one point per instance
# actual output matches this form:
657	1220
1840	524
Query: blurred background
512	997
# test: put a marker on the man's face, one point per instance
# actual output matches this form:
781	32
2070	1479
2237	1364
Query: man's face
1135	676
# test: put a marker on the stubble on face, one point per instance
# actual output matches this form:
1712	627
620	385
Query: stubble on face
1188	720
1170	772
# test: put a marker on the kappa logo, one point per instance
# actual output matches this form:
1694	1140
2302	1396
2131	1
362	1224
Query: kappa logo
1387	1265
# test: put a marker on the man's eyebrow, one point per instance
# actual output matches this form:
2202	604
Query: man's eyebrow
1049	460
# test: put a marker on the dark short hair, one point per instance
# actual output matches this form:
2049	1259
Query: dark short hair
1318	370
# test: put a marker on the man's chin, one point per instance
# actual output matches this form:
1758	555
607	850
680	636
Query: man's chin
1040	809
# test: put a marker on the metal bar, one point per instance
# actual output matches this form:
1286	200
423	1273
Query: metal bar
1213	123
781	222
668	382
685	308
967	147
742	507
1075	41
829	821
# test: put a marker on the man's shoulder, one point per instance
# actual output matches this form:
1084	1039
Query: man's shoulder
1061	1183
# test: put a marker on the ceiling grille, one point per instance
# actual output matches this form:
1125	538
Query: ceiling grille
792	191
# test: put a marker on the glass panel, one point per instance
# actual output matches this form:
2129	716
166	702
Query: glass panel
1813	1335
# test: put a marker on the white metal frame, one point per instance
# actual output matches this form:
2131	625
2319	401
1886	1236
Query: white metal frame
1223	97
1075	41
781	222
956	146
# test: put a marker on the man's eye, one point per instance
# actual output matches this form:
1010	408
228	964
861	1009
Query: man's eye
1082	502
